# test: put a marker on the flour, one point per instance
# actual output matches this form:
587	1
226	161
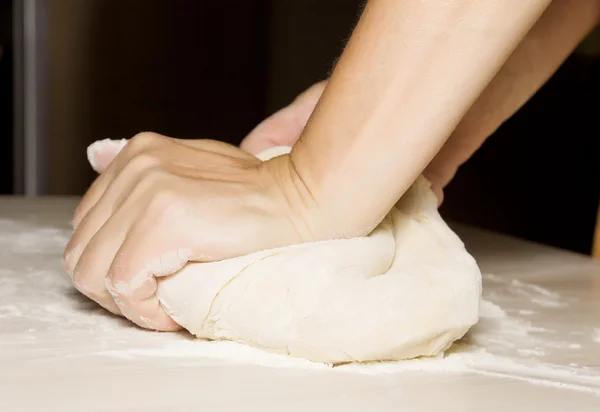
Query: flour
526	312
227	351
499	345
472	354
507	342
531	352
25	238
461	358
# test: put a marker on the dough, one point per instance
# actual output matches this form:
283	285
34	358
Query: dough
408	289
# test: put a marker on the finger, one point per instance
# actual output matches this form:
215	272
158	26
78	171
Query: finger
281	129
464	141
285	126
101	153
93	194
145	254
311	96
104	153
138	144
90	272
91	269
110	200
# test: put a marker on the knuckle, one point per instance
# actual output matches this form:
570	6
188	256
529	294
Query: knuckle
80	215
69	257
151	178
88	200
82	281
144	140
140	144
111	284
77	218
118	274
162	201
146	184
141	162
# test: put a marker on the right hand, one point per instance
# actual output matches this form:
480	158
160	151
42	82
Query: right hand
163	202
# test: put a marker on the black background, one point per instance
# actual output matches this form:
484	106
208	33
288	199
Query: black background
200	69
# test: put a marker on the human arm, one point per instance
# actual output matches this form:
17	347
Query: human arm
553	37
564	24
407	76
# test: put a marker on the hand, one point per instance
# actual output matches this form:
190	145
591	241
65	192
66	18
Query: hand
163	202
284	127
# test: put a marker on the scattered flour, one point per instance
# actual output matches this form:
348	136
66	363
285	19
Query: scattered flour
482	351
526	312
34	292
596	337
574	346
461	358
531	352
26	238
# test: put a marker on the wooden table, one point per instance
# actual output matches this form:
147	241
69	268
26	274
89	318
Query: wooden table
537	346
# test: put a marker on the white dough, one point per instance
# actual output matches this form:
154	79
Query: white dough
408	289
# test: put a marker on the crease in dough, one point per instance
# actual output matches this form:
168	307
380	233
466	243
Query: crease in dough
217	296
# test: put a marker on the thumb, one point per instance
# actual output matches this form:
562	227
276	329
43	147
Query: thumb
285	126
281	129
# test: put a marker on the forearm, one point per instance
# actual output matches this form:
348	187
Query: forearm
564	24
411	70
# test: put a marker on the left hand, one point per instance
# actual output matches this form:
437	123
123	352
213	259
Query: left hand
163	202
284	127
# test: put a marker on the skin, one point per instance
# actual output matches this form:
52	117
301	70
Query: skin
408	75
163	202
556	34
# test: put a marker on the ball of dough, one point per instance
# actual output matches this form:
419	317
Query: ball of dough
408	289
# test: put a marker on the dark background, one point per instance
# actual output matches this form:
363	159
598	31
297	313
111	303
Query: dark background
207	69
6	98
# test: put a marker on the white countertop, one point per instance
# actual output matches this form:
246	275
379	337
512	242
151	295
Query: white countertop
536	347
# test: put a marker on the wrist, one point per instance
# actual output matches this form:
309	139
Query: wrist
341	208
296	198
316	212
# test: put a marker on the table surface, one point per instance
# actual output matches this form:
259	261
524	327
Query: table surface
536	347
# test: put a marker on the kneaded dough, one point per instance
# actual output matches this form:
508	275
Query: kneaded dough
408	289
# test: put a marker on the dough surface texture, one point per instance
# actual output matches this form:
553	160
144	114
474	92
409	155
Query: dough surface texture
408	289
